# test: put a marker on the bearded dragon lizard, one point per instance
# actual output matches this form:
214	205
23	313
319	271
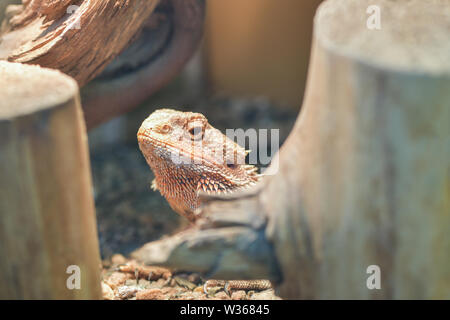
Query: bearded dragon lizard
187	156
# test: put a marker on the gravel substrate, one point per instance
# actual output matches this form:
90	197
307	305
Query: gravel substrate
128	280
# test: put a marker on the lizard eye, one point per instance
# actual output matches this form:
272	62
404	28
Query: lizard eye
196	133
164	129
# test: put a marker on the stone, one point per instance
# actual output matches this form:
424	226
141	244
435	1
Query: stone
264	295
126	292
239	295
221	296
117	279
107	292
118	259
199	289
150	294
185	283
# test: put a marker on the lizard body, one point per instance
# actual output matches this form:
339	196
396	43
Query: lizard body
188	155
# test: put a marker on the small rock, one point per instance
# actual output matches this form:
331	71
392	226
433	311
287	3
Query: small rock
173	293
126	292
239	295
150	294
118	259
185	283
264	295
169	290
222	296
117	279
107	292
144	284
213	290
186	296
145	272
199	289
199	295
194	278
131	282
158	283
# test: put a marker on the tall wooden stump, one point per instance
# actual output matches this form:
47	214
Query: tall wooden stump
47	216
372	148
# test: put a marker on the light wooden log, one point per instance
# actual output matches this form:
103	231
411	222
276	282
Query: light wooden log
151	41
364	177
47	215
79	42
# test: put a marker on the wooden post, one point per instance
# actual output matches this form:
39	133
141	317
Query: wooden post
47	215
371	152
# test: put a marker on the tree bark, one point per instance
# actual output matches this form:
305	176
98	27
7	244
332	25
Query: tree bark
364	177
47	215
155	39
43	31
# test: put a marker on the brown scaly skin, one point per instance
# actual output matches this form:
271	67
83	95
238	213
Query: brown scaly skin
188	155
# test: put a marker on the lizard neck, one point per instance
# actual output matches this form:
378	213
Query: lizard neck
178	185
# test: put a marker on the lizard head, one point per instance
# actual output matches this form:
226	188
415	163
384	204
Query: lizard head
187	146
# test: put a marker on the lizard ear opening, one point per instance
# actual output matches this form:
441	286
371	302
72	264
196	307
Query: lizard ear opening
196	133
231	165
